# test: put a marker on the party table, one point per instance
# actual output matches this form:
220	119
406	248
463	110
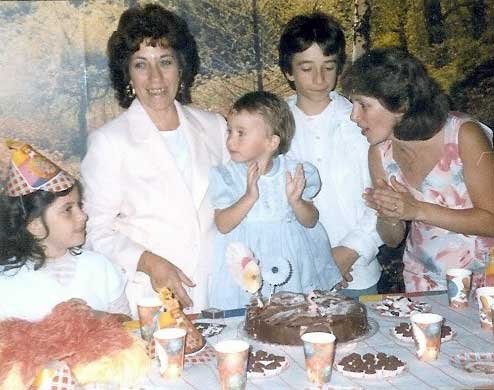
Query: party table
441	374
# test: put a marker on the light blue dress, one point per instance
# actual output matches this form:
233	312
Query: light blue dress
271	231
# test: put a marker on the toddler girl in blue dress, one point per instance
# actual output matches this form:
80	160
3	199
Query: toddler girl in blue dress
264	200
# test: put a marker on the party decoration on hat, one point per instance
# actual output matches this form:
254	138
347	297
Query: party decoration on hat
30	171
278	274
244	269
175	317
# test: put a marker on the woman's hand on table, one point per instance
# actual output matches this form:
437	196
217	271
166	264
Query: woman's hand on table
165	274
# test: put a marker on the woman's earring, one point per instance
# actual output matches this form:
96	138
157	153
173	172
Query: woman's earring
130	91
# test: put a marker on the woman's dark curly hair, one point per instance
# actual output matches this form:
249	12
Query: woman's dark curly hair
17	245
302	31
154	23
402	85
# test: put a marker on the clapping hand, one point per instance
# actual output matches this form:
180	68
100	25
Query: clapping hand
295	185
392	201
253	174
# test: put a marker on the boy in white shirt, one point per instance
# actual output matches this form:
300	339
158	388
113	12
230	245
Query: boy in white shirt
311	56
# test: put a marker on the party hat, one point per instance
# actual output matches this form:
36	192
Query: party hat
30	171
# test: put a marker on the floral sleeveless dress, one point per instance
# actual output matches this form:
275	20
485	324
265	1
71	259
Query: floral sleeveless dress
430	250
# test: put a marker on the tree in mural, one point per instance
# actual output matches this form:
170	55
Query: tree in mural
238	41
55	84
361	28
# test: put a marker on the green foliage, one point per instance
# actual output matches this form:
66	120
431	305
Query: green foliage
402	23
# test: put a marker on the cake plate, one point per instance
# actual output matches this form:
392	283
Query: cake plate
387	309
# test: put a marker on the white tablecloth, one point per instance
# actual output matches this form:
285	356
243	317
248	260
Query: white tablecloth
436	375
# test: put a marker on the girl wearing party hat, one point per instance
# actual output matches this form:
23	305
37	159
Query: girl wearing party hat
42	229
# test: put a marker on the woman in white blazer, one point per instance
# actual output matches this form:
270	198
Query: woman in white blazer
146	172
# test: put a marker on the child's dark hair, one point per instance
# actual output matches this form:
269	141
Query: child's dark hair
302	31
402	85
17	245
274	111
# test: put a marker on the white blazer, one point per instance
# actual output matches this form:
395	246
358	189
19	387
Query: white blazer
137	199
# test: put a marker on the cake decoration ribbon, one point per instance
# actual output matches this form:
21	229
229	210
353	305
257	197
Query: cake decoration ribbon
244	268
278	274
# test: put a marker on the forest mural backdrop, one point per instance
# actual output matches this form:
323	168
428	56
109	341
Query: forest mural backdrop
54	86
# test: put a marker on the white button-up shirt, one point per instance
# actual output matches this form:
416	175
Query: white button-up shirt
335	145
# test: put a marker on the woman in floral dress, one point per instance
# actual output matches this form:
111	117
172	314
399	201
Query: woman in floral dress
429	166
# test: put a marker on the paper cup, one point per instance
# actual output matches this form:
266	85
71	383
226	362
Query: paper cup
170	344
426	328
485	299
492	312
319	349
148	309
232	364
459	282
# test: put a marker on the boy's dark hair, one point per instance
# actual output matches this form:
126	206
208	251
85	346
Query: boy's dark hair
17	245
401	84
161	27
274	111
304	30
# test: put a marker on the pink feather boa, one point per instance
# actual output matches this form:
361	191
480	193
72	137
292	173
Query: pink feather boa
72	332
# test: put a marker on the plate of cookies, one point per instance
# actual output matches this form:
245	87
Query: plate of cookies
400	307
262	364
403	332
370	366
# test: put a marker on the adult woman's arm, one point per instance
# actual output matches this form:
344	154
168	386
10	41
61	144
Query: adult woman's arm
476	152
165	274
103	191
390	229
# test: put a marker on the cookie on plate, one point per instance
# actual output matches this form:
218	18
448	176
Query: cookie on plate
370	366
403	331
262	364
400	306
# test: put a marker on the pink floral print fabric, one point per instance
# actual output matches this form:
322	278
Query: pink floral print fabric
430	250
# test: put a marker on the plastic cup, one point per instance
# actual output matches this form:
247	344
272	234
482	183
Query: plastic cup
232	364
492	312
485	299
319	349
170	346
426	328
459	282
148	309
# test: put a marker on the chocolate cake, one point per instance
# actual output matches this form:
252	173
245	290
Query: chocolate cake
289	315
